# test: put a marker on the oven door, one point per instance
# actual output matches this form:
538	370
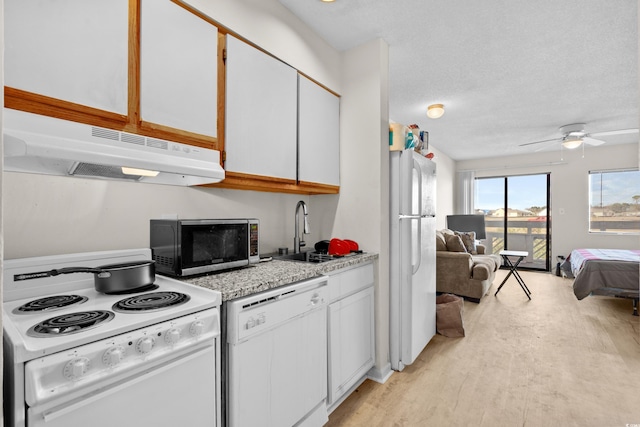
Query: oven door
177	392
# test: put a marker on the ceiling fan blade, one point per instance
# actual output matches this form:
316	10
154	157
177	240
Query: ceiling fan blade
539	142
592	141
614	132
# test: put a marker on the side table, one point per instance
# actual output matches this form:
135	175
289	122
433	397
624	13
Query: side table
513	269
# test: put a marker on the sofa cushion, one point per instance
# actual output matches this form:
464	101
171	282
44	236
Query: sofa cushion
469	240
491	261
481	271
454	243
441	244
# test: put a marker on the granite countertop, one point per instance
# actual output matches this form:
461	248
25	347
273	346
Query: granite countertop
271	274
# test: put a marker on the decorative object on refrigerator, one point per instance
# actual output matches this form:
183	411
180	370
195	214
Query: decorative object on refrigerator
397	136
413	137
412	256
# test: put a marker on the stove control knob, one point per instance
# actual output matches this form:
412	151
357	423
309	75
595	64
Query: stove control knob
196	328
76	368
145	345
113	356
172	336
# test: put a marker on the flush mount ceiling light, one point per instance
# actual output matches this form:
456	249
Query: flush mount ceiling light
572	142
435	111
327	1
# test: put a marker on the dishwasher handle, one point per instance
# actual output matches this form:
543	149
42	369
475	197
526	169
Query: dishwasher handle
316	299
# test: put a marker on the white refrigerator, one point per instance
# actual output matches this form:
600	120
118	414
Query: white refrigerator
412	250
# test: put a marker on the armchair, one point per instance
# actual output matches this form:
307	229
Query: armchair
465	273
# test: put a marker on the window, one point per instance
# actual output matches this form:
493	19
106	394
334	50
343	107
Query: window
614	201
516	219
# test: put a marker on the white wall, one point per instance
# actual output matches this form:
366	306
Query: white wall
445	179
569	190
50	215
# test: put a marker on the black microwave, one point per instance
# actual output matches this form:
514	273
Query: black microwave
182	247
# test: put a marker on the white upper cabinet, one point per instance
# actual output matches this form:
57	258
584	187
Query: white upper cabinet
73	50
261	108
318	134
178	68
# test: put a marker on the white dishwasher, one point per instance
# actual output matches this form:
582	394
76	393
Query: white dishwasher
277	357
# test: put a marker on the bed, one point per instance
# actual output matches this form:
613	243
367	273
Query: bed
608	272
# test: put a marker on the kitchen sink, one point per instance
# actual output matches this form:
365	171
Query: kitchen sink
307	256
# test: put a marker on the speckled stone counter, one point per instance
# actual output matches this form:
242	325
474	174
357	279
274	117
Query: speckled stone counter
271	274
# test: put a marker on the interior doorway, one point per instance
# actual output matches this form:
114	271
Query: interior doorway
516	216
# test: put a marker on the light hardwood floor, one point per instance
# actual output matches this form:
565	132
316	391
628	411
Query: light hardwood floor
552	361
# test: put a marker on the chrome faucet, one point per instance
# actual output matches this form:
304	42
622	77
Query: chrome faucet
297	241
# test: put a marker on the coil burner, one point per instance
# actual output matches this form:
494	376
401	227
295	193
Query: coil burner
49	303
71	323
150	301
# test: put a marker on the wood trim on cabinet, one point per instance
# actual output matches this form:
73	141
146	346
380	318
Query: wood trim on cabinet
133	107
318	83
172	134
39	104
317	188
18	99
29	102
222	93
244	181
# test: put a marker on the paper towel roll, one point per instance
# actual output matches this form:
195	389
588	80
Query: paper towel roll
397	136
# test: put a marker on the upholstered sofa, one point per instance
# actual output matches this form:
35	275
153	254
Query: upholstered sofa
462	267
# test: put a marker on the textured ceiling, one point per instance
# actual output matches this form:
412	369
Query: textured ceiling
509	72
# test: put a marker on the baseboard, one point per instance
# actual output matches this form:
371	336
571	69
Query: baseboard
380	375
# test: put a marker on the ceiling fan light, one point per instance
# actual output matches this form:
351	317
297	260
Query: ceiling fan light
572	142
435	111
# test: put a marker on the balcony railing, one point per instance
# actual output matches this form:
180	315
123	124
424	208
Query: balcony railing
524	234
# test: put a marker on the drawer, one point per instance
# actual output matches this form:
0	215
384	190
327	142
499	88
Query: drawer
348	281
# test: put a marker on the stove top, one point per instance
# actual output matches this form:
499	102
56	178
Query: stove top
47	315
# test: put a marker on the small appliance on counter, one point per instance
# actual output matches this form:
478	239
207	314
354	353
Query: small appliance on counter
183	248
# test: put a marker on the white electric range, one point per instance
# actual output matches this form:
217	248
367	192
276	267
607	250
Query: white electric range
74	356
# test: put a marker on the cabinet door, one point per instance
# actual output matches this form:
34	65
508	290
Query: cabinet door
318	134
178	68
351	341
261	98
73	50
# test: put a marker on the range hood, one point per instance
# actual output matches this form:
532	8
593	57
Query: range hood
46	145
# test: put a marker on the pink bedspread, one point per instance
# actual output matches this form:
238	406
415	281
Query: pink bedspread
580	256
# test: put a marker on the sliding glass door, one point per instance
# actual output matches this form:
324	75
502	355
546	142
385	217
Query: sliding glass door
515	209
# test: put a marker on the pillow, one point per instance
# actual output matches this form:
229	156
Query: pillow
468	240
454	243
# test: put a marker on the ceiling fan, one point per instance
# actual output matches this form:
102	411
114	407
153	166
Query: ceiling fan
574	135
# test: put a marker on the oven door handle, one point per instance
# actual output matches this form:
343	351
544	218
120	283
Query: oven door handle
62	410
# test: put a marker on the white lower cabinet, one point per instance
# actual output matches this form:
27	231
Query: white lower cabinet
351	351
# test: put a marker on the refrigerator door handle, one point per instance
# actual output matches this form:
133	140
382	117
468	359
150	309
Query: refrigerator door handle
416	267
416	167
